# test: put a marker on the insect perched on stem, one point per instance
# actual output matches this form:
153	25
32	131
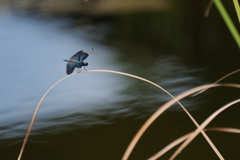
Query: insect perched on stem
77	61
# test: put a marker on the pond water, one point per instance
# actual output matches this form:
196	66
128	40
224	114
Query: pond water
92	115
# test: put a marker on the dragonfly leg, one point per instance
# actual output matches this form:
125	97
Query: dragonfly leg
85	68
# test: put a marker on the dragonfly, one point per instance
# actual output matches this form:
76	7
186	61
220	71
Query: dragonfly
76	61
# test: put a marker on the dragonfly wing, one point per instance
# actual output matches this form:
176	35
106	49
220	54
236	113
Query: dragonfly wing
75	57
70	67
79	56
83	56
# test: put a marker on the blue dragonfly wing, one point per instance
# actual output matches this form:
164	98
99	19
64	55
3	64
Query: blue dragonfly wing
75	57
70	67
83	56
79	56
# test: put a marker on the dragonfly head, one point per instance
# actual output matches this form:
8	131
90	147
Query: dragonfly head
84	63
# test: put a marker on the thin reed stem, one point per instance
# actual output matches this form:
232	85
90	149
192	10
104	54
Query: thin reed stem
130	148
220	79
34	116
209	6
40	102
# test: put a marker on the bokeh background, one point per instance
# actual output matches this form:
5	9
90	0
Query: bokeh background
93	116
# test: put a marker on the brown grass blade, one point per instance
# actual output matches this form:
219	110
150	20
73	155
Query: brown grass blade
223	129
208	8
227	75
108	71
35	114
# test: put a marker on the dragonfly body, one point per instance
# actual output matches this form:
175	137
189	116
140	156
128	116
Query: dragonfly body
76	61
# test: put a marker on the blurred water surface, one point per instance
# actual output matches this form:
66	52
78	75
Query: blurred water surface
77	113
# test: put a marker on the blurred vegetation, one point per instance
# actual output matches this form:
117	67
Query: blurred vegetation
169	27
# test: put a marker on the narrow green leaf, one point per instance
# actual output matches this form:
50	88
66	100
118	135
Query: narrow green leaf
228	21
237	8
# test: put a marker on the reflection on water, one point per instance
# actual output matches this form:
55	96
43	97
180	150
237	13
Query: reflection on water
37	49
